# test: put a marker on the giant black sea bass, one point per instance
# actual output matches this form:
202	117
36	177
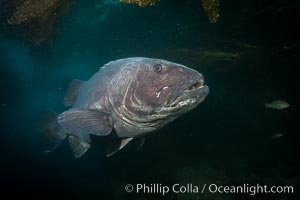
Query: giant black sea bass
128	97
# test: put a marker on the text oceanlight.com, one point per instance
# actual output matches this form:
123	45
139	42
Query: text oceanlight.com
157	188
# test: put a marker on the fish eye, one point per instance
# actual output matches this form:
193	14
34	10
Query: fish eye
157	68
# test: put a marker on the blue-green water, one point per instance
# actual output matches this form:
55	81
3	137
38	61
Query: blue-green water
249	57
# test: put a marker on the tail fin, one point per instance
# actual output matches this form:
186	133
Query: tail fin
267	105
51	134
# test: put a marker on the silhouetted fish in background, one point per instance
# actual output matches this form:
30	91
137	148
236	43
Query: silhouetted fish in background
277	104
133	96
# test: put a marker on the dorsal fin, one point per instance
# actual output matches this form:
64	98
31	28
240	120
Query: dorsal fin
72	92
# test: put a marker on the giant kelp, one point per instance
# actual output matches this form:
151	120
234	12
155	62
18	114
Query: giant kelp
211	8
38	17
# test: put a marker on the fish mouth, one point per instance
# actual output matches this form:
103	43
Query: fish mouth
194	94
197	85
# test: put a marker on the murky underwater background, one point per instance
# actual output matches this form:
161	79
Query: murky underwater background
249	56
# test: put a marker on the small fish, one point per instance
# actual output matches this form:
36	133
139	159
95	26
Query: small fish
132	96
276	136
277	104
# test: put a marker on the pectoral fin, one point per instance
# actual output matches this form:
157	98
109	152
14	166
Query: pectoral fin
140	143
82	122
116	146
72	92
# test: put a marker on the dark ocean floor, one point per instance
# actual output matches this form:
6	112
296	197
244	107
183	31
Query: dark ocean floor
229	139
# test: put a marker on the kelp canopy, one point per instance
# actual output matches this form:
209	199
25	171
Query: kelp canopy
141	3
211	8
38	17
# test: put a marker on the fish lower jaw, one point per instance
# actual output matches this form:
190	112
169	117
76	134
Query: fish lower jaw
185	102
